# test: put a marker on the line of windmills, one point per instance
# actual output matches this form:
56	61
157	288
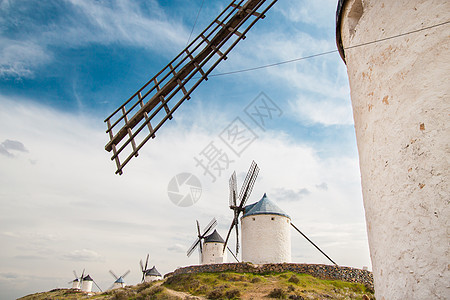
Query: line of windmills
265	231
85	281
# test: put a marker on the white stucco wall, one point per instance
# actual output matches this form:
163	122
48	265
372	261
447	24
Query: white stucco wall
75	284
86	286
152	278
213	253
266	239
118	285
401	106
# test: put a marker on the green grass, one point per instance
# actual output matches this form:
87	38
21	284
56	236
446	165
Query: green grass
282	285
226	285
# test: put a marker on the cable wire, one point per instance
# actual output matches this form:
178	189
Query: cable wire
195	22
328	52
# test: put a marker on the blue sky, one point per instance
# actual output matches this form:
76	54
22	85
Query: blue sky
66	65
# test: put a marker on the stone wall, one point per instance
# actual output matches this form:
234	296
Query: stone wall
320	271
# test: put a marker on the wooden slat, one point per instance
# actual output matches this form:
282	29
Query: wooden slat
230	29
166	107
256	14
196	64
183	89
149	125
213	47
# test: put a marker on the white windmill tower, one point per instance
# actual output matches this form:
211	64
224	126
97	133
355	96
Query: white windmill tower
152	275
149	274
86	284
266	233
266	236
210	246
213	249
119	280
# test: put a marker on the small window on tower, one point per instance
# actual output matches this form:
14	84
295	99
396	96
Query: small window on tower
273	218
253	219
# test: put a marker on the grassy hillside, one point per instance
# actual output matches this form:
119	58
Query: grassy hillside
226	285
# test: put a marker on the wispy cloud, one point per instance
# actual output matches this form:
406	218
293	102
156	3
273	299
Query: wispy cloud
300	11
283	194
83	255
80	23
18	59
326	111
123	21
9	145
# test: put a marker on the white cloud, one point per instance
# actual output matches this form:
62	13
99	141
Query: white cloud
78	208
20	58
302	11
87	22
122	21
331	111
83	255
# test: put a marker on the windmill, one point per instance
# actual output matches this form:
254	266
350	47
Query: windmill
244	194
149	274
201	236
76	283
136	121
119	280
144	269
86	283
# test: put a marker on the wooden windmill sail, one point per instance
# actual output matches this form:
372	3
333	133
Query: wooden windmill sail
244	194
144	268
136	121
118	280
201	236
76	283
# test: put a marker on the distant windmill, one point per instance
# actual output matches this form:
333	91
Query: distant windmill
244	194
149	274
200	237
119	283
86	283
76	283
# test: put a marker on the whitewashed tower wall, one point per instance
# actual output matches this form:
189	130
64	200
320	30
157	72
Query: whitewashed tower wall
86	286
266	238
213	253
401	107
149	278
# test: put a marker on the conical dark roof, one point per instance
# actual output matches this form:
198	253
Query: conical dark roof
264	207
119	280
87	278
214	238
152	272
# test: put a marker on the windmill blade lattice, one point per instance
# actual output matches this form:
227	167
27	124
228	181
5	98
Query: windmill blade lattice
125	274
136	121
97	285
249	182
144	269
233	189
114	275
200	236
244	195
